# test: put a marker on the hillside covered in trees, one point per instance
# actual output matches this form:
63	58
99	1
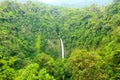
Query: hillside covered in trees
30	46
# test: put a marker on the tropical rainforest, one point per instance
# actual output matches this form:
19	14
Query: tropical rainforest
30	46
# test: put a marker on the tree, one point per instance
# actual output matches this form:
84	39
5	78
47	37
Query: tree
29	73
86	66
38	43
116	1
6	72
43	75
43	60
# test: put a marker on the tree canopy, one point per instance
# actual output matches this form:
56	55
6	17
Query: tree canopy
30	47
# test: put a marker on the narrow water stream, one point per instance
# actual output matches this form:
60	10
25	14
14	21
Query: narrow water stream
62	47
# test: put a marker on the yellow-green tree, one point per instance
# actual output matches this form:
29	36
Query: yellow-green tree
37	45
86	66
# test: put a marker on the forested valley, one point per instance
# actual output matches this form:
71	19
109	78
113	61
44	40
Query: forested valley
30	46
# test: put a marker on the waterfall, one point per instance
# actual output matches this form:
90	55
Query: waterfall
62	47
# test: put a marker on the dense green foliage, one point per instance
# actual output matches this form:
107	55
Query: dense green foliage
30	47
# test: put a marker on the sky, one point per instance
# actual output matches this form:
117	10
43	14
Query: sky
73	3
76	3
60	1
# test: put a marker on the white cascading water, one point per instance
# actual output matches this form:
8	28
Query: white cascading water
62	47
